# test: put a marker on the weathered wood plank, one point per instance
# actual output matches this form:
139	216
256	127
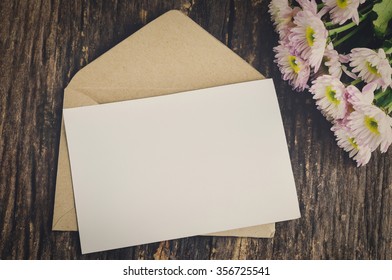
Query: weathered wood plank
346	211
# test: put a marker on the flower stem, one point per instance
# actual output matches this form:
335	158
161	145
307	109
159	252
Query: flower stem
329	24
384	100
340	29
380	94
347	36
389	108
343	28
366	9
353	83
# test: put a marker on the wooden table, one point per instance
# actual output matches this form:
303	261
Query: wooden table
346	211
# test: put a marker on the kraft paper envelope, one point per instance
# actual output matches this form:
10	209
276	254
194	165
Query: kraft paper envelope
171	54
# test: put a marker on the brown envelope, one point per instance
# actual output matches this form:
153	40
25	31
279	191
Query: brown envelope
170	54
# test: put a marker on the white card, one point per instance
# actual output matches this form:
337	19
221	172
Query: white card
179	165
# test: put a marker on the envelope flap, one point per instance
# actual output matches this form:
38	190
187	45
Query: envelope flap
74	98
170	54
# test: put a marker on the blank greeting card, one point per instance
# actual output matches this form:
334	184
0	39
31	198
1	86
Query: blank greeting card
179	165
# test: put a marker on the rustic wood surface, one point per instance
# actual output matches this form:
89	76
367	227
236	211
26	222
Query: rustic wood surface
346	211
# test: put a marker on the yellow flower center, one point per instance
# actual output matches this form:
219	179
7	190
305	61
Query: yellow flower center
353	143
293	64
372	69
331	95
342	3
310	36
372	125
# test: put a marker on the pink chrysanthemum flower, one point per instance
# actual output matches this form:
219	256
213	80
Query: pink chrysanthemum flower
328	91
309	38
371	66
332	61
293	68
284	29
282	16
387	140
277	8
371	127
309	5
342	10
358	99
345	58
346	141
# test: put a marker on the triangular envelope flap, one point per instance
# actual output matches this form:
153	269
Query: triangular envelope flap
170	54
74	98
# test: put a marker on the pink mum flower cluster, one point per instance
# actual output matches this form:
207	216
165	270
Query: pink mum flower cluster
307	59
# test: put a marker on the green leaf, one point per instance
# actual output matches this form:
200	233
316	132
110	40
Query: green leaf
384	11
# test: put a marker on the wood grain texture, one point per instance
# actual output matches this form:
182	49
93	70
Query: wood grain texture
346	211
